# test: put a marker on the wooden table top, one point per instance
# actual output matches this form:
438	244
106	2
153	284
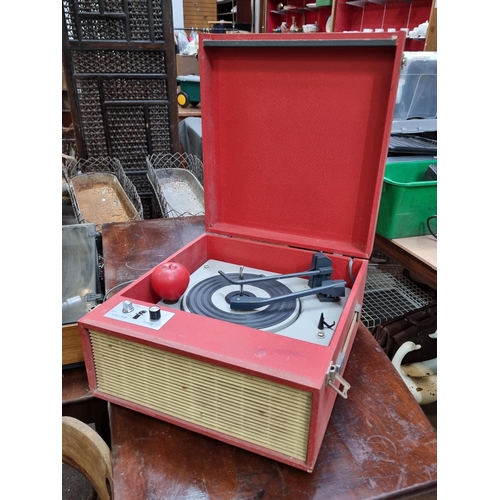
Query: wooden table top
75	386
418	254
132	248
378	444
189	111
422	247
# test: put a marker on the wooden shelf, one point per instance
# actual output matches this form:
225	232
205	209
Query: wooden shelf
243	12
362	3
283	12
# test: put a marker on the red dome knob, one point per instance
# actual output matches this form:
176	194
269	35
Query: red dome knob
170	281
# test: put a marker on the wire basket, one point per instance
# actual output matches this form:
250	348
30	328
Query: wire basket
389	294
177	180
115	198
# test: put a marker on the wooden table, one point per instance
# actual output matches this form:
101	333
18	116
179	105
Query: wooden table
189	111
418	254
378	444
78	402
132	248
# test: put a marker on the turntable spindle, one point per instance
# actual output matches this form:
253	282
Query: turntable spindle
241	278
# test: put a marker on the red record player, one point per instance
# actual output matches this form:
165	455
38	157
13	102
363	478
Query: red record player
295	137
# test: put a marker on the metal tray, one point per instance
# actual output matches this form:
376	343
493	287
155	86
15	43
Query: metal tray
101	198
182	191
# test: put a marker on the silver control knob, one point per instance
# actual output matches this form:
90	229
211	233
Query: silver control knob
154	313
127	306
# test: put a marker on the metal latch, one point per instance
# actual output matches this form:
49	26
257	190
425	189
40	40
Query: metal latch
334	374
334	370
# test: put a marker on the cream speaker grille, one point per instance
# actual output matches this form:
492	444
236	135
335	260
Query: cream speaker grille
253	409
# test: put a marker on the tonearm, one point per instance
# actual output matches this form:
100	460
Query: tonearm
320	283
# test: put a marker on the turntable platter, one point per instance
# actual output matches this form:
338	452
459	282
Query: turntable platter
210	297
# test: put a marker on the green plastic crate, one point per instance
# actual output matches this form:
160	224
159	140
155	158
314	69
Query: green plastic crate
407	200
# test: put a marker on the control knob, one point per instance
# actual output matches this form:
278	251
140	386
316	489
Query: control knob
154	313
127	306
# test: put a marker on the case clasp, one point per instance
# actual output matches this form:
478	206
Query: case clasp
335	368
333	374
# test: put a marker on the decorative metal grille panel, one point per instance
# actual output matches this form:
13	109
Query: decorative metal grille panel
134	89
121	79
118	61
127	132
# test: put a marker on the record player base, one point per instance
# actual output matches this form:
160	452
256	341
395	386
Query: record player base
263	392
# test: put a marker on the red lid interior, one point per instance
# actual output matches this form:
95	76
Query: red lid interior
295	135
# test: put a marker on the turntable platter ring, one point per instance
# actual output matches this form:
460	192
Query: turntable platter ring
210	298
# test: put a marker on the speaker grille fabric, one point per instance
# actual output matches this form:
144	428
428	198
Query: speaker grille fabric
253	409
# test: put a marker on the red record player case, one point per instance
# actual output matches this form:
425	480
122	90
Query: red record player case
295	137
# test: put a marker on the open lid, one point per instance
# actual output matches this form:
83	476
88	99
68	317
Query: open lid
295	135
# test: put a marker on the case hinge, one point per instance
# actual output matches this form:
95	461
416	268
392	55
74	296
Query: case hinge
334	374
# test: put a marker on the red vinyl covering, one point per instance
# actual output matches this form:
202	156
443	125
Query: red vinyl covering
295	135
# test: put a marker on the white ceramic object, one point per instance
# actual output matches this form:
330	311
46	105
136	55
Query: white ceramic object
420	378
329	25
422	29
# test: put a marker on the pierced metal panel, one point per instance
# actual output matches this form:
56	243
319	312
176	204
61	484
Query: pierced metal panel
118	61
88	5
140	20
158	121
92	123
127	131
113	5
134	89
103	29
121	78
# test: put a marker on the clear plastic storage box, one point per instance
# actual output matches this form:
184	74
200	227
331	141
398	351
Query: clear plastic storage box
416	102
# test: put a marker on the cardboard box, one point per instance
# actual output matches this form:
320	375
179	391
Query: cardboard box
71	345
187	65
